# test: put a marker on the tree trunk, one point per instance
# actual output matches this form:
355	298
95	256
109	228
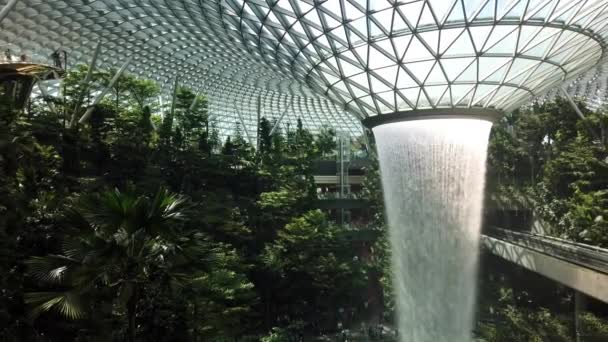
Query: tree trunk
131	312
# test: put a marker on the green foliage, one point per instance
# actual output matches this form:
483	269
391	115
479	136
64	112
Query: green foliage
548	159
276	335
520	324
594	326
86	264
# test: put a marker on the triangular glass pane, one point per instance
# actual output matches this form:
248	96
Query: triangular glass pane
497	75
564	11
420	70
379	5
520	65
338	36
351	11
463	101
436	76
411	12
377	85
377	59
404	80
361	53
417	51
446	99
538	50
461	47
502	93
457	13
527	35
480	34
374	30
330	22
458	91
472	6
435	93
441	8
448	37
388	74
358	27
426	18
539	12
361	80
398	23
388	99
484	91
332	64
431	38
383	19
401	45
411	94
385	46
499	33
423	101
355	91
505	46
455	66
313	17
490	65
487	12
349	69
349	56
469	74
340	87
402	105
515	12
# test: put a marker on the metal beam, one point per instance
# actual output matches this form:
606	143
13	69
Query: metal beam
174	99
257	133
276	125
104	92
85	84
243	123
45	94
7	9
194	102
580	114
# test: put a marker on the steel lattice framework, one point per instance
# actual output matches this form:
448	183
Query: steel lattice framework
329	62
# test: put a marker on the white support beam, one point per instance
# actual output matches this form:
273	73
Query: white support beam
194	102
276	125
7	9
85	84
174	98
45	94
580	114
104	92
238	112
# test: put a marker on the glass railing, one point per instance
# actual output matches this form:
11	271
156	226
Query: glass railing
587	256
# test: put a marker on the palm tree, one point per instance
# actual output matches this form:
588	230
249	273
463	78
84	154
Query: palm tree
118	242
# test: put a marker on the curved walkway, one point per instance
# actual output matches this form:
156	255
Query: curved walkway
578	266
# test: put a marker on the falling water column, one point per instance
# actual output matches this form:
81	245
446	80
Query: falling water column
433	178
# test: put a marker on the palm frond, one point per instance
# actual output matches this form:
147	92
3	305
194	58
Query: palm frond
51	268
68	303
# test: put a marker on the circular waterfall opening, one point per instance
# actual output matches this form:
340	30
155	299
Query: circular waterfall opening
433	174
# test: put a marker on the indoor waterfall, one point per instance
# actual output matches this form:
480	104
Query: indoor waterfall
433	175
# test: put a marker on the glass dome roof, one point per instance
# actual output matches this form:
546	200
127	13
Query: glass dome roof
391	56
325	60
